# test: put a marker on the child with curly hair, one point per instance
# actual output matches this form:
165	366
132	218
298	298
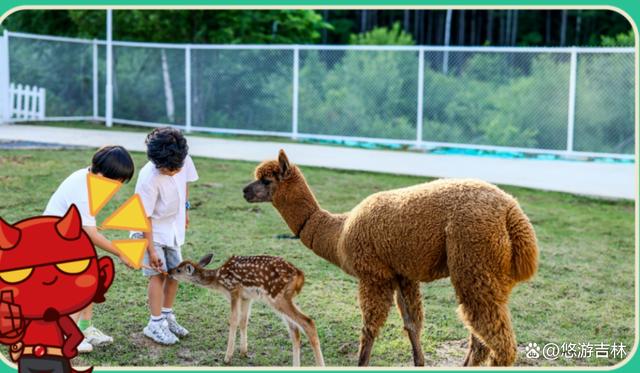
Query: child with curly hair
162	186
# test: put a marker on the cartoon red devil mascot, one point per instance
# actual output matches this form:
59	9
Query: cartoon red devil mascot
48	270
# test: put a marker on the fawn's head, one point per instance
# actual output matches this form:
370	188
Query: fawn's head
189	271
272	178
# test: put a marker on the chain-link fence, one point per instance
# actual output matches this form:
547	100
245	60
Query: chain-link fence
539	100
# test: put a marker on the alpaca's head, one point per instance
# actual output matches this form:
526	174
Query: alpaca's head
272	178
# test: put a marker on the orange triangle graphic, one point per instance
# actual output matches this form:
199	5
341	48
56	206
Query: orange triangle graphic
133	250
101	190
129	216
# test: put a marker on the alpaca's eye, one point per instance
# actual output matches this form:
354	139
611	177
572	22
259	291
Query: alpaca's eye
266	181
74	267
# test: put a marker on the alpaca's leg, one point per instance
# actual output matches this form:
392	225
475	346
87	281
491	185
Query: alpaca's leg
409	303
478	352
375	299
245	312
491	322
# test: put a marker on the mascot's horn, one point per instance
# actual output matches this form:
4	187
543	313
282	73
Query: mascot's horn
9	235
70	226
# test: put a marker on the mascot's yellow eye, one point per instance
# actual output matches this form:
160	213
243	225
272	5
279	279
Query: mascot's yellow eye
15	276
74	267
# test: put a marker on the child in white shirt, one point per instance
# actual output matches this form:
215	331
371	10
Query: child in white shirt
162	186
113	162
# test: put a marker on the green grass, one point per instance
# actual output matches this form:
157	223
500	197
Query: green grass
584	291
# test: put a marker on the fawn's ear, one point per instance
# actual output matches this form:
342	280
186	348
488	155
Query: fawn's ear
205	260
283	161
190	269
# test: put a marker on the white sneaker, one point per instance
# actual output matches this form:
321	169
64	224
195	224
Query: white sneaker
159	332
175	328
94	336
84	346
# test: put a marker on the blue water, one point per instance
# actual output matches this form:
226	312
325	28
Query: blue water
469	152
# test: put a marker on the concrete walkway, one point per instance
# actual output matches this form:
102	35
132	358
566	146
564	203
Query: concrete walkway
586	178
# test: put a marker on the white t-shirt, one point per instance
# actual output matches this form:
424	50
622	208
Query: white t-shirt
73	190
164	199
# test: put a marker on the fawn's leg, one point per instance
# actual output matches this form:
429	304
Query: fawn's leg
375	300
245	311
233	326
294	333
410	306
286	307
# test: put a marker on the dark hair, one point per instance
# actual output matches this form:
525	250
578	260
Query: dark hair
113	162
167	148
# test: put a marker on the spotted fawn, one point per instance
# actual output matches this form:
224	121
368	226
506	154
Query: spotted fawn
243	279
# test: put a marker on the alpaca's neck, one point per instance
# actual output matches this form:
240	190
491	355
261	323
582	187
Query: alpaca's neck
318	229
321	234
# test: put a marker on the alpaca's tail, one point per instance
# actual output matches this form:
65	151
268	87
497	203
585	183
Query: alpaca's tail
524	257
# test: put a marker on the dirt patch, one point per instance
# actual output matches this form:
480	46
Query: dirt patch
155	351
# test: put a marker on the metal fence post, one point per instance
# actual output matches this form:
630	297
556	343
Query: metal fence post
95	79
5	99
572	100
420	114
294	109
109	85
187	87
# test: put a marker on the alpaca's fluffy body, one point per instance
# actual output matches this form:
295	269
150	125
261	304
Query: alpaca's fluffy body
466	229
405	231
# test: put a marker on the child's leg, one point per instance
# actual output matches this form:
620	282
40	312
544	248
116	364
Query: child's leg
174	258
155	294
170	291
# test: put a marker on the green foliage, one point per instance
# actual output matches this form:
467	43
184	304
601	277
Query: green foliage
383	36
625	39
179	26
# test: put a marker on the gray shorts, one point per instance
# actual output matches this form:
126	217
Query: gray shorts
171	256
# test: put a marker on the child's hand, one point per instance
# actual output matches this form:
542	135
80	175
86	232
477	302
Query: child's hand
156	263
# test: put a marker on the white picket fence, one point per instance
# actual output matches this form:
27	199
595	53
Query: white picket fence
27	102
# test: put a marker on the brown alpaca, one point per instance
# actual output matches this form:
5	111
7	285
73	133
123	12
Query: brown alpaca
468	230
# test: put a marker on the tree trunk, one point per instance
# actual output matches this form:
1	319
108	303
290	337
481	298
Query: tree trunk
503	19
168	90
578	26
507	36
439	26
325	15
405	22
363	21
514	33
429	28
490	27
473	28
547	29
563	29
461	25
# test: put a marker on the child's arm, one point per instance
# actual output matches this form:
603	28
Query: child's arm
156	263
102	242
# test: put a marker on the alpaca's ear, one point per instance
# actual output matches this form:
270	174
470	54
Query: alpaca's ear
285	167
